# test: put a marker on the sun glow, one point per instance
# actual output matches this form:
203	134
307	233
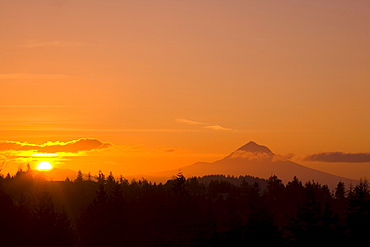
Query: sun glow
44	165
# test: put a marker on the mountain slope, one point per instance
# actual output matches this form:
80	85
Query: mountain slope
259	161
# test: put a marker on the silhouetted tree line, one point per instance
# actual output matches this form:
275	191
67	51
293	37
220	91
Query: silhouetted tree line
208	211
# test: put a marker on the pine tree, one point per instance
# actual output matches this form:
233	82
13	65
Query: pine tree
179	188
314	221
89	177
340	191
358	219
101	177
49	227
10	222
110	183
79	178
95	221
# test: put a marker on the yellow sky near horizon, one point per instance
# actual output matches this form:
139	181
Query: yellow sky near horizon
201	76
91	155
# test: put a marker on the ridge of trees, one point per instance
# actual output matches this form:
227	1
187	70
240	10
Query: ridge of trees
214	210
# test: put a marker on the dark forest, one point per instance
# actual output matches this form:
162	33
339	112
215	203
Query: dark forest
213	210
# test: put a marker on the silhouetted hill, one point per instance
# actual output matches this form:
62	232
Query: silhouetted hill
258	161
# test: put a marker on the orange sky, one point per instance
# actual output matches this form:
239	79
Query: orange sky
199	78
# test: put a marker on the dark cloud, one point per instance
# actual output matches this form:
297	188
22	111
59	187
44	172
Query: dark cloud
339	157
74	146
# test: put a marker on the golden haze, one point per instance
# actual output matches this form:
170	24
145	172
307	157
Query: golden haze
292	75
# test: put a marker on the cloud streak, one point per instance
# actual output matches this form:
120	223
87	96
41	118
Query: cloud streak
186	121
217	127
339	157
74	146
204	125
258	156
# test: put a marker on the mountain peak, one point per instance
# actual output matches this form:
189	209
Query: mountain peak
255	148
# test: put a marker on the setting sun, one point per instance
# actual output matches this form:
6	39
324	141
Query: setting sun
44	165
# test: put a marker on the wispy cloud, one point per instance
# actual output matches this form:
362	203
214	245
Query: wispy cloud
216	127
204	125
251	155
339	157
74	146
186	121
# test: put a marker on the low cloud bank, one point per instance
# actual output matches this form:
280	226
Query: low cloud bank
339	157
74	146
